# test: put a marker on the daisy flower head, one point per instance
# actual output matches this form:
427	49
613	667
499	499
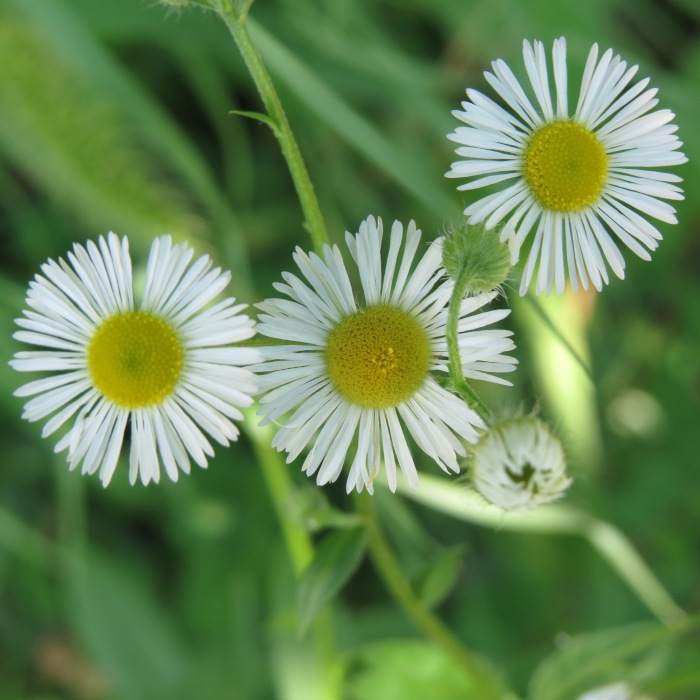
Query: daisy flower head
353	372
164	368
519	465
578	180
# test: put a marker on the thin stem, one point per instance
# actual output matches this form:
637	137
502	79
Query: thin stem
283	131
456	371
279	484
399	587
297	540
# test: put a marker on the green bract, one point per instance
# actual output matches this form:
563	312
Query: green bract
474	253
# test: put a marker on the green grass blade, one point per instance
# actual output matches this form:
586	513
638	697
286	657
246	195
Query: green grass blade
357	131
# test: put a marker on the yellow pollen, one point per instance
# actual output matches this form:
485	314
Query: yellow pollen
135	359
566	166
378	357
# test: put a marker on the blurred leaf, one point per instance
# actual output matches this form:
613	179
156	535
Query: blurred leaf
409	670
310	505
351	126
74	140
435	582
336	559
125	631
25	542
556	519
158	128
593	659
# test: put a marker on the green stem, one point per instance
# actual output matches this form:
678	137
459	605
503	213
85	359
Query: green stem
399	587
283	131
279	484
456	372
297	540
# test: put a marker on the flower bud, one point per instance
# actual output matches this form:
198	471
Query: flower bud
519	465
474	253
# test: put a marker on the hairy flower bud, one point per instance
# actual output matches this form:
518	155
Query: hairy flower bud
474	253
519	465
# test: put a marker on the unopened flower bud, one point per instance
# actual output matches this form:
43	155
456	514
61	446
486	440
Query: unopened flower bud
474	253
519	465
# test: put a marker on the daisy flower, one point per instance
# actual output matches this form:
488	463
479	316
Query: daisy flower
357	370
519	465
164	369
577	178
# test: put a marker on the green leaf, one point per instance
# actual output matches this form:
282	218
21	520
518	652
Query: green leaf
123	628
360	133
336	560
435	582
76	142
258	116
409	670
64	28
310	506
593	659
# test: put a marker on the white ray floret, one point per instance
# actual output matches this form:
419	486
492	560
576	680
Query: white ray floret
578	179
361	373
166	368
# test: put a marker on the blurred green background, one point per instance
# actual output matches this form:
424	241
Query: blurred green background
114	115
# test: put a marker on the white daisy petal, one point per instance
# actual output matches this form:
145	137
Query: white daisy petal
114	364
581	176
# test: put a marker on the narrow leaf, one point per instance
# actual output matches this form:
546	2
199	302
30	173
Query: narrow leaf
75	141
126	632
350	125
336	560
438	578
258	116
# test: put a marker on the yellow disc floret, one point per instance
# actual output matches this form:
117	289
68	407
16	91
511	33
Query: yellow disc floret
135	359
566	166
378	357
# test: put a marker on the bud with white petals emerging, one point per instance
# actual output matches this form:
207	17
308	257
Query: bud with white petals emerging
519	465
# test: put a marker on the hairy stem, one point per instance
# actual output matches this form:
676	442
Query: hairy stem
456	372
313	220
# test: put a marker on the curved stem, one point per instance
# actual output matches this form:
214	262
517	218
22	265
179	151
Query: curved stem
400	589
313	220
456	372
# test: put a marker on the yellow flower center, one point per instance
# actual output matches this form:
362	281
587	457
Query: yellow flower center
135	359
378	357
565	166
